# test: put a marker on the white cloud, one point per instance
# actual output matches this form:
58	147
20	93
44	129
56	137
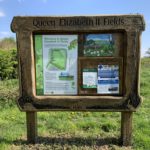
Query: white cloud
2	14
44	1
4	34
20	1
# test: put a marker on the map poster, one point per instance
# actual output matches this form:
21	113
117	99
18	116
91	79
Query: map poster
89	78
56	64
108	79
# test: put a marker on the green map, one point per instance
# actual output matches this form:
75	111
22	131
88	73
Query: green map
57	59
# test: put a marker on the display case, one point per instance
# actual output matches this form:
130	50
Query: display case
79	62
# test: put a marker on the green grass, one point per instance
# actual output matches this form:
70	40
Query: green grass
73	130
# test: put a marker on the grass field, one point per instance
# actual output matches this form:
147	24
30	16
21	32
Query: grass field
73	130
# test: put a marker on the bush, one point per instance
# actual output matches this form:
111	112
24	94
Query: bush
8	64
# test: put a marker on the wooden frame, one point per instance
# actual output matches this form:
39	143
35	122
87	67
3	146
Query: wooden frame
130	25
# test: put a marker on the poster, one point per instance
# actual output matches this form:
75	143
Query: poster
99	45
89	78
56	64
108	79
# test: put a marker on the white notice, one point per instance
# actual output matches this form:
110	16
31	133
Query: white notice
60	64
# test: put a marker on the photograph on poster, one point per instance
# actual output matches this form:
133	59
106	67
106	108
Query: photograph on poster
99	45
56	64
90	78
108	79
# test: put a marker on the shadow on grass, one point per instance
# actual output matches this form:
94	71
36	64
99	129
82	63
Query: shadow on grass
77	141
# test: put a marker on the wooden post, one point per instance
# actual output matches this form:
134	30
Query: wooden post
126	128
31	118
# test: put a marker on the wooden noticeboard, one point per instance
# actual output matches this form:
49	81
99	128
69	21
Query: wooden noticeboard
81	63
123	48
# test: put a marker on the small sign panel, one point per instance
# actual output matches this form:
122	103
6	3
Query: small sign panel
108	79
90	78
56	64
99	45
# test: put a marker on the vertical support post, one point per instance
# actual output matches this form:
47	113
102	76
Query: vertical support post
31	118
126	128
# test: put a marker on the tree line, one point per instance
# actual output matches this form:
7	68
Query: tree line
148	52
8	59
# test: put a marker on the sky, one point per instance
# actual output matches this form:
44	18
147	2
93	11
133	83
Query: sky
11	8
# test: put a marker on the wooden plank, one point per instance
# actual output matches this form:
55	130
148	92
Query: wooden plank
126	128
31	118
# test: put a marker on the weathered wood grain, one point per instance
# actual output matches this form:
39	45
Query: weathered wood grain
31	118
126	128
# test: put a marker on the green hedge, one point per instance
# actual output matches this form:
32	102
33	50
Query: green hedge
8	64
